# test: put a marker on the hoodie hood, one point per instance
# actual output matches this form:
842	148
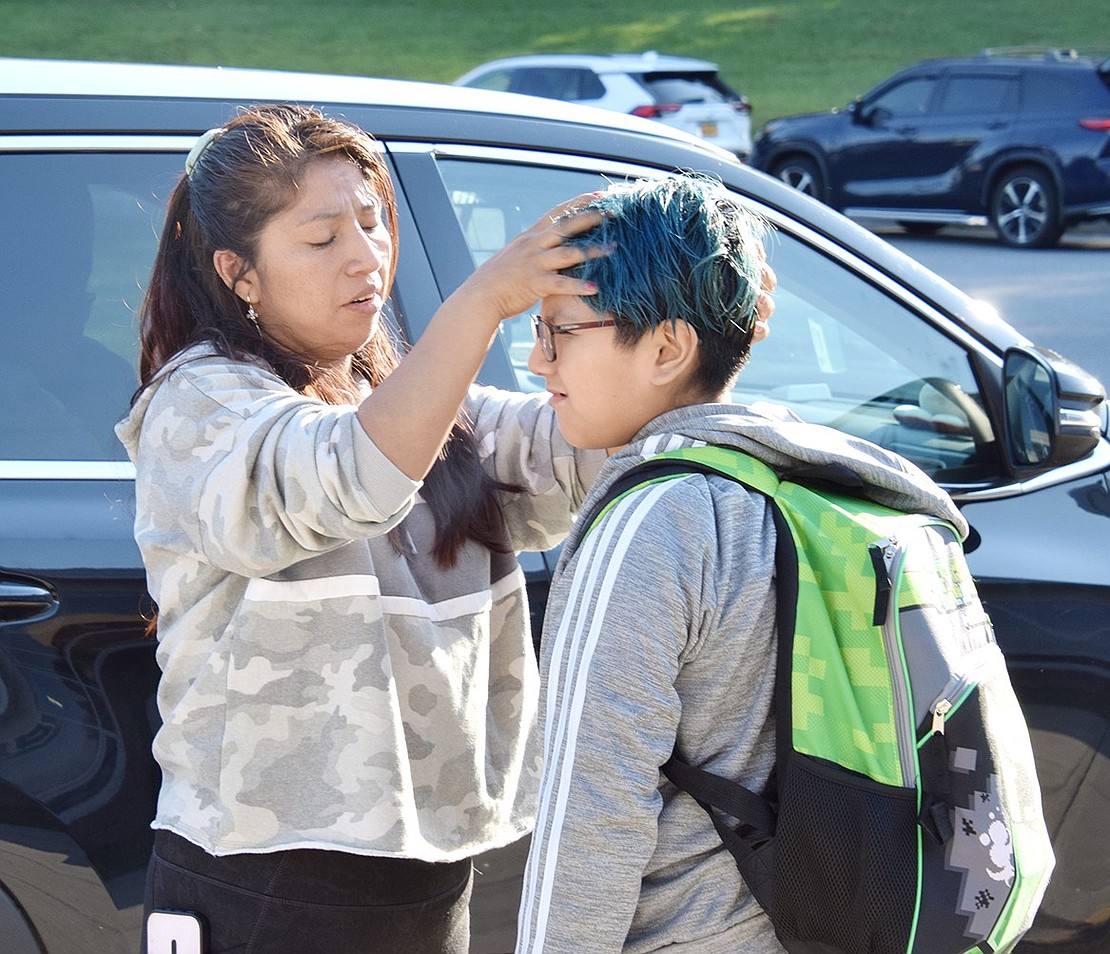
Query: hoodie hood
793	448
130	427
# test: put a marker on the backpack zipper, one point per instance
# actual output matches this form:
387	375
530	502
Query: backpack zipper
960	685
892	556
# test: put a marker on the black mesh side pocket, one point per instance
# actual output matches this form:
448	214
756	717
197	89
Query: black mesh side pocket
847	841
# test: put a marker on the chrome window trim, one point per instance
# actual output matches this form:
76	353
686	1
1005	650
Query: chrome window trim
82	142
105	142
66	470
1097	462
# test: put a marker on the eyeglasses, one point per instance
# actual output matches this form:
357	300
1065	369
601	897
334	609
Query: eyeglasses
546	331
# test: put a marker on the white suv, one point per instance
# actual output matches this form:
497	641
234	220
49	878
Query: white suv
684	93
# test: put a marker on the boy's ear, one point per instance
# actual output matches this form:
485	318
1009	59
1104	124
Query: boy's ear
675	353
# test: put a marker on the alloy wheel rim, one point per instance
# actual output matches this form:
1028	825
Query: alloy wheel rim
1023	212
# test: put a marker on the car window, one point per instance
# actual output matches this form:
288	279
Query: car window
844	353
77	241
982	95
1045	92
556	83
909	97
498	80
672	88
841	353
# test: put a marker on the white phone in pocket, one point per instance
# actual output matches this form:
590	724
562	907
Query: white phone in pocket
174	932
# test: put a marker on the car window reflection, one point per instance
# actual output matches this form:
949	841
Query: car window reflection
77	242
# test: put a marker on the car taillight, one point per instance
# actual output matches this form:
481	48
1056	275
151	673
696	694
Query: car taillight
654	112
742	105
1097	125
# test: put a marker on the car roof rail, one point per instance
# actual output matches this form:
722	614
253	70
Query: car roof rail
1054	54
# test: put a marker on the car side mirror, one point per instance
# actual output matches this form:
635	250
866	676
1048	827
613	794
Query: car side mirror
866	114
1051	410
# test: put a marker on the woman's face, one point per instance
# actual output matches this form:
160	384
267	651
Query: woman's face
323	265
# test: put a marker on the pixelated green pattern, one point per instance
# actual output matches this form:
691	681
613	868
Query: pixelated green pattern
843	706
939	578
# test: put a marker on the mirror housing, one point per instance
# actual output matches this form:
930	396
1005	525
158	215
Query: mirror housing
1051	410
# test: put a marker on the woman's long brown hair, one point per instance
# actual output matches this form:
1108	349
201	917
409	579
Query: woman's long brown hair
244	177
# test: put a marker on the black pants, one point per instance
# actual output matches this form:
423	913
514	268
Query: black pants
306	901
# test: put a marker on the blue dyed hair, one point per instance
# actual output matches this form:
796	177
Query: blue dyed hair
680	248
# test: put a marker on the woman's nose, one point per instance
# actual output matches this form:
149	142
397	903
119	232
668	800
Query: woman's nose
369	252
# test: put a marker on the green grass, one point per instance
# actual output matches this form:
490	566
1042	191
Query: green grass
785	55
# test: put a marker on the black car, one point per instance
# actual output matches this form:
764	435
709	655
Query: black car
1016	140
864	340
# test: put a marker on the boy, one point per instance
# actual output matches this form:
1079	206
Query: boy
660	629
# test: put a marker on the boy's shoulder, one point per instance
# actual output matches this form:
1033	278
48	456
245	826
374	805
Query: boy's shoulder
690	511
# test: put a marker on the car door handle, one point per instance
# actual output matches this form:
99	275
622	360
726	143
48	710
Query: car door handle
23	601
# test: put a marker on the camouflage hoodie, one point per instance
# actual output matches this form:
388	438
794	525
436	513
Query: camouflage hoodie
320	688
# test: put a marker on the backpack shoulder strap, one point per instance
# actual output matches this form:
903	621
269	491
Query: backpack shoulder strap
749	835
703	459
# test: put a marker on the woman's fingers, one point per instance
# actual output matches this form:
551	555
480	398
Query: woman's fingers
765	304
570	206
528	267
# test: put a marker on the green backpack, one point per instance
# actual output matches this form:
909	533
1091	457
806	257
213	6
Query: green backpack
904	814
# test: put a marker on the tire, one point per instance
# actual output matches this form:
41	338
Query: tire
1025	209
801	173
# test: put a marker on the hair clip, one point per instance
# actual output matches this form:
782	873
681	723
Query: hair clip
199	146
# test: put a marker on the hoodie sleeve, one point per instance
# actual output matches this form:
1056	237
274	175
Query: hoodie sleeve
256	474
630	610
520	443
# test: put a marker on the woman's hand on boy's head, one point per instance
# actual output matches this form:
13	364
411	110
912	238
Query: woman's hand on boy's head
527	269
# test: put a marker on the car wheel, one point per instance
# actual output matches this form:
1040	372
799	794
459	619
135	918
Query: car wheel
801	173
1025	209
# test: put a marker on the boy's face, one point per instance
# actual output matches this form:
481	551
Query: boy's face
602	394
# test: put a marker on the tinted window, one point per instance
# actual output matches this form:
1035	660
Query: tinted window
688	88
77	238
1058	92
910	96
556	83
985	95
497	80
841	352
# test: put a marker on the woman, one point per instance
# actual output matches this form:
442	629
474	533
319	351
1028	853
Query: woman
348	682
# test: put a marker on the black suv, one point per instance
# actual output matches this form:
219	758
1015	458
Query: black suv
1010	138
864	340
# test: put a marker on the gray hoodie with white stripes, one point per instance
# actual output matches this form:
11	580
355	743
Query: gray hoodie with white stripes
661	627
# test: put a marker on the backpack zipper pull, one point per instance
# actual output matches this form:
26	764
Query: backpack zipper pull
940	710
882	561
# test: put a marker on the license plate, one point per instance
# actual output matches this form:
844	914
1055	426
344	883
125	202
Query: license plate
707	129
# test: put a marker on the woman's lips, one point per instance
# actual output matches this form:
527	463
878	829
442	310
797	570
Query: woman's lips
371	304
